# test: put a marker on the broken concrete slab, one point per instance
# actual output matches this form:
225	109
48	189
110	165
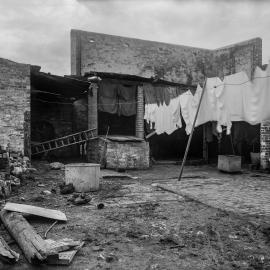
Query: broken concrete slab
35	210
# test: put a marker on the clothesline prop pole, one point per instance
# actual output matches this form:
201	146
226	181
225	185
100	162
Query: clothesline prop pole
191	133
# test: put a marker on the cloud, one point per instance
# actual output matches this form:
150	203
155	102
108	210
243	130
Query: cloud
38	31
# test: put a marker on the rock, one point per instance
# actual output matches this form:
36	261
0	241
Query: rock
17	171
26	159
100	206
41	185
66	189
32	169
46	192
56	165
14	181
111	258
97	248
5	189
79	199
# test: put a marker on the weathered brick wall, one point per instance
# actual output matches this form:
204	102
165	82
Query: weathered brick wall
265	145
123	155
244	56
176	63
127	155
107	53
14	105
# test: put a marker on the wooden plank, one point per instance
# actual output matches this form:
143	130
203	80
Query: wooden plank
6	253
35	210
63	258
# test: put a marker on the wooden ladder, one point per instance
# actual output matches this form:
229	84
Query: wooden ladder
75	138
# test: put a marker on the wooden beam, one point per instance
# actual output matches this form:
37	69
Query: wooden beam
33	246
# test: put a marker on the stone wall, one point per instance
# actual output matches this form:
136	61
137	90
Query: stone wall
122	155
15	106
175	63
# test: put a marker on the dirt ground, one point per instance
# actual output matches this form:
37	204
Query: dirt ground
142	227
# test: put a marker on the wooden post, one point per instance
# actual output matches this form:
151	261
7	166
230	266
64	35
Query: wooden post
191	133
205	145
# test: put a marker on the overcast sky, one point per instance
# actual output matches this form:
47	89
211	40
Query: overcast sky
38	31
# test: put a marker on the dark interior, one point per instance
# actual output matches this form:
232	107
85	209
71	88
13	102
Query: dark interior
115	124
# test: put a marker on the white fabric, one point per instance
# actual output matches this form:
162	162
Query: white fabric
164	118
187	109
235	86
257	98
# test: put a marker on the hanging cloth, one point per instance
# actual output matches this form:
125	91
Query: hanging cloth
108	100
127	99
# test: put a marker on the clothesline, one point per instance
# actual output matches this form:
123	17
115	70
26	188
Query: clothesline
249	102
224	84
70	103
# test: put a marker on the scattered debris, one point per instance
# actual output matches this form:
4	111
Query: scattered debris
64	257
100	206
97	248
5	189
45	235
66	189
108	258
41	185
35	210
6	253
233	236
46	192
57	165
62	245
79	199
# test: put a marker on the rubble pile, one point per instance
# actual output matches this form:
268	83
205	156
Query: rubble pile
19	165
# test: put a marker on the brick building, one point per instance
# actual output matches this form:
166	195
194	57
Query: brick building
123	61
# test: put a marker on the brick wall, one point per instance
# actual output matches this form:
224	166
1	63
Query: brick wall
140	113
107	53
176	63
14	105
243	56
265	145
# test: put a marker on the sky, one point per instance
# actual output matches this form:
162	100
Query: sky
37	32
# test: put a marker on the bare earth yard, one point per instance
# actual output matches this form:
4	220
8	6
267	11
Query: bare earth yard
216	221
